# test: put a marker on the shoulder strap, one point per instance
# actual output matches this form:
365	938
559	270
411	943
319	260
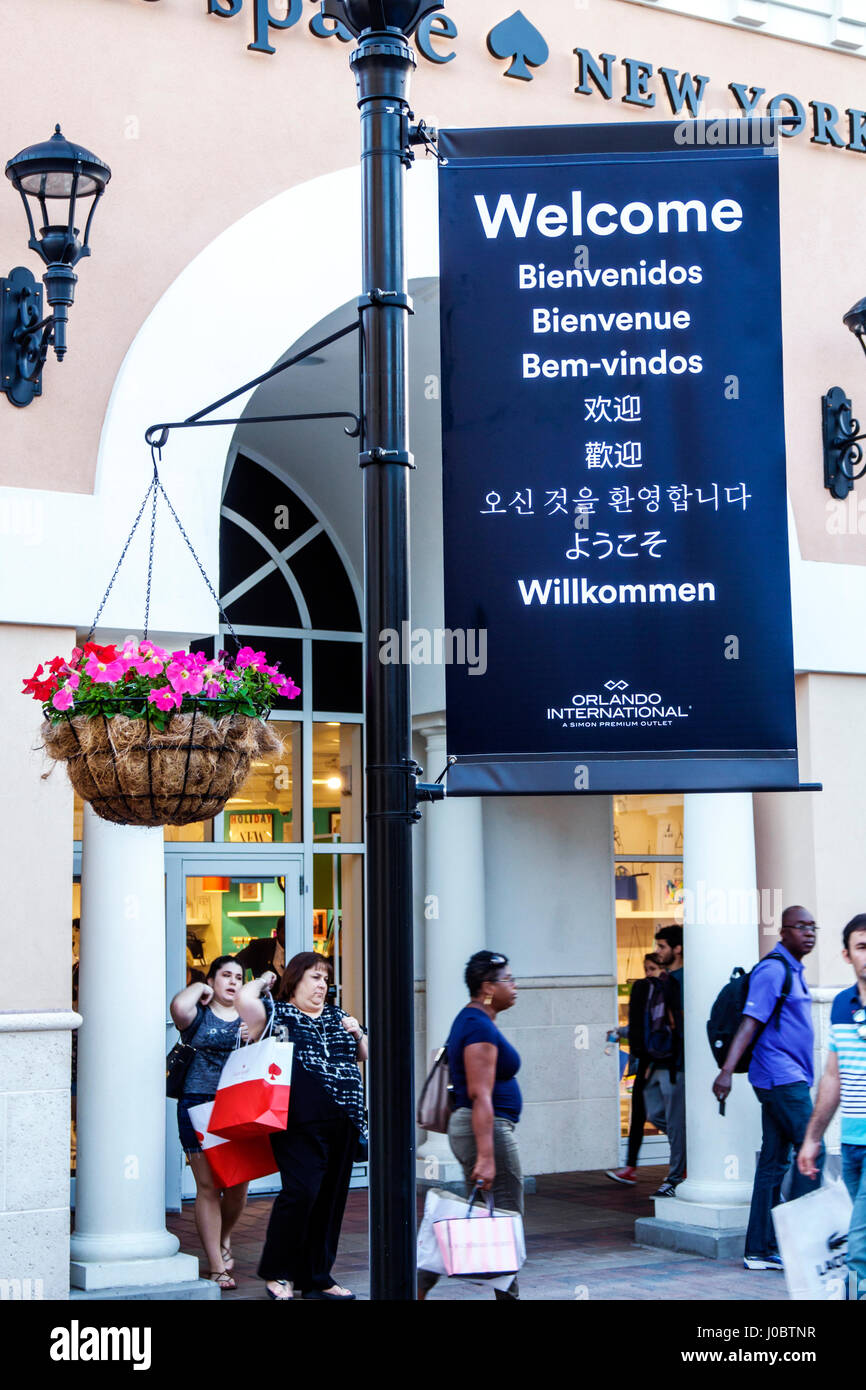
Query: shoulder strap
194	1026
787	985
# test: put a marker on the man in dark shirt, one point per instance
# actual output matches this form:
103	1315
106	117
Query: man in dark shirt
265	952
665	1089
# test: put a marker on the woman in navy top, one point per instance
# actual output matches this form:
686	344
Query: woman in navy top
487	1102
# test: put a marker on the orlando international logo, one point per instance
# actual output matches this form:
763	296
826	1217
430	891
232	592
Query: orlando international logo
618	706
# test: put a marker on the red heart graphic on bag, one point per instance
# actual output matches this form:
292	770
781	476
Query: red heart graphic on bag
199	1137
274	1070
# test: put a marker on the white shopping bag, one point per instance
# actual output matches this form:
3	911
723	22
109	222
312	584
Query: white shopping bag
812	1233
441	1206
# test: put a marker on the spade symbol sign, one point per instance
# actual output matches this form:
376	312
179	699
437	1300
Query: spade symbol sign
519	40
274	1071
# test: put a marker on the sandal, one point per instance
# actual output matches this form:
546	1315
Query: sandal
280	1298
222	1279
344	1296
227	1257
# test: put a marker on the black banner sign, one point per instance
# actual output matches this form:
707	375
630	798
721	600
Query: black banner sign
616	550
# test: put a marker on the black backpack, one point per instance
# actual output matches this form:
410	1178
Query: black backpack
727	1012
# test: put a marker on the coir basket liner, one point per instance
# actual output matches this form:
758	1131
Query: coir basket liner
135	774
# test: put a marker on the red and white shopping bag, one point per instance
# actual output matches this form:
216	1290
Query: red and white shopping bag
253	1093
232	1161
483	1244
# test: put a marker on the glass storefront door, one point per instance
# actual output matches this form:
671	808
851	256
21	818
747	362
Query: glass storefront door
220	903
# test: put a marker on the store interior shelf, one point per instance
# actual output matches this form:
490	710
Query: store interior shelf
254	914
623	911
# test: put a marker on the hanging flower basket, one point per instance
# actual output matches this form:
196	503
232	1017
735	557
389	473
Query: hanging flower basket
157	738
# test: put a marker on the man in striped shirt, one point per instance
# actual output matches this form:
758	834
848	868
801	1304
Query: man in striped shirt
844	1081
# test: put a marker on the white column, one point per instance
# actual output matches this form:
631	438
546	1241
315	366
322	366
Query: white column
454	928
120	1237
721	932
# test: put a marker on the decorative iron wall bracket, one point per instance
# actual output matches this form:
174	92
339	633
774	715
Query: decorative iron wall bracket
24	336
842	451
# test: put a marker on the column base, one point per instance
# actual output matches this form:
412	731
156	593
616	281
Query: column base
132	1275
711	1243
185	1291
709	1229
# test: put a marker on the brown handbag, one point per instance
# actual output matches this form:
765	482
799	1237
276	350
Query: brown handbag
435	1104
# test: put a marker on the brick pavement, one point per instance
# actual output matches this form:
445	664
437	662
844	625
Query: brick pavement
580	1238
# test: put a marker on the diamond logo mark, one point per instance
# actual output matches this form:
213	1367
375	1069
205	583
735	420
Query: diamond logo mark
616	685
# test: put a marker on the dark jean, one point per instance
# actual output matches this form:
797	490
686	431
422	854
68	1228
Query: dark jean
188	1138
785	1114
854	1175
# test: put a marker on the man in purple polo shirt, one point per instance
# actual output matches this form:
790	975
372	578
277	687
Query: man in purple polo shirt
781	1071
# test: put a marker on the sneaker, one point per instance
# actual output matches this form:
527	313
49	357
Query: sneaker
627	1176
763	1262
667	1189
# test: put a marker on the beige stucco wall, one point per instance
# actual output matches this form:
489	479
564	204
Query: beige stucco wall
570	1086
35	1018
198	131
810	845
36	815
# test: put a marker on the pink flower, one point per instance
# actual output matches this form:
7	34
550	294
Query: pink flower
104	673
73	681
184	677
152	652
148	667
232	676
165	698
63	698
213	690
286	686
247	657
213	668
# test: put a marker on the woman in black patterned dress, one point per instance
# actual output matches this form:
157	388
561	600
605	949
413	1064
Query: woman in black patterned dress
326	1119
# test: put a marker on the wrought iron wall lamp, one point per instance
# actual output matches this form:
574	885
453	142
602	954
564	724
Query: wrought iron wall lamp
58	178
842	451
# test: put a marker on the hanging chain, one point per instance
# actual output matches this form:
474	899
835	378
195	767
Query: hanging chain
151	489
201	568
155	452
155	487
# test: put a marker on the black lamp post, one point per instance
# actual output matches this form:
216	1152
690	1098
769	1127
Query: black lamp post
382	63
58	178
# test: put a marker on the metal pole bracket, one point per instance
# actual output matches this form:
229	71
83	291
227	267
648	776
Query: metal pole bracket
386	299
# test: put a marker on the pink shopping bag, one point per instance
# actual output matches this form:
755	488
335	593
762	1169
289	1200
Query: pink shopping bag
232	1161
253	1093
483	1244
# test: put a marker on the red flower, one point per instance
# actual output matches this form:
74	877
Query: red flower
40	689
104	654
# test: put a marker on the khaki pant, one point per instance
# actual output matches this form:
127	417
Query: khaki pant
507	1185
